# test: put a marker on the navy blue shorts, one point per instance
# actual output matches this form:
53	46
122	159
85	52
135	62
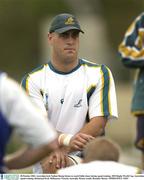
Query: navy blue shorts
139	143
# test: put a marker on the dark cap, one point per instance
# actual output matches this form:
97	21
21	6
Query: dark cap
64	22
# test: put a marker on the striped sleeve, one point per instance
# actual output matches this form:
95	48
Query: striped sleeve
24	83
30	83
131	49
103	100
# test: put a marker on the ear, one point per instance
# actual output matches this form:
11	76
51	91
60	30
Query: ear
49	37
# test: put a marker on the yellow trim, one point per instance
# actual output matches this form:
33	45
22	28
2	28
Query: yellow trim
137	113
101	95
91	66
140	39
109	104
27	87
91	86
130	29
36	71
130	52
132	26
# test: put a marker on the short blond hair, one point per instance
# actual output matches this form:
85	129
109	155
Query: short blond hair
102	149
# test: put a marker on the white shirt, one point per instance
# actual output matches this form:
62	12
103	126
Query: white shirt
21	114
69	97
100	168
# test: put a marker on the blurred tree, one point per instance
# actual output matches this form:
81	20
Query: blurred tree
19	37
119	15
19	21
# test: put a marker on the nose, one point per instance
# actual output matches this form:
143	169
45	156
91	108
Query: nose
70	39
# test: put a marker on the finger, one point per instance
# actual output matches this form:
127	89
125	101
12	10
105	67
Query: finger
75	147
51	158
86	136
52	167
80	144
81	139
63	161
58	160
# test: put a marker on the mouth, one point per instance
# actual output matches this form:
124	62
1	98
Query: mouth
69	49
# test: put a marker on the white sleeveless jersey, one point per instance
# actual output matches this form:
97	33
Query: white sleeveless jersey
72	98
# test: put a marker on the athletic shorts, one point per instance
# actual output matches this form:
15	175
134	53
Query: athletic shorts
139	143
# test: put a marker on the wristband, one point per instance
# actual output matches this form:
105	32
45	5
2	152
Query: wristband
64	139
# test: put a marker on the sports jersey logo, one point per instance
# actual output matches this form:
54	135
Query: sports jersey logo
62	101
78	104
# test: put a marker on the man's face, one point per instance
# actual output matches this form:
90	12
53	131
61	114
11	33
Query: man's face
65	45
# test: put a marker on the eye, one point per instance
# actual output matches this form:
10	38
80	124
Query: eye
75	34
64	35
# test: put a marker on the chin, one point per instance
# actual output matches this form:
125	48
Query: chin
69	59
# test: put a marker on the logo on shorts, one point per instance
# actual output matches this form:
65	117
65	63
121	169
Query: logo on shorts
79	104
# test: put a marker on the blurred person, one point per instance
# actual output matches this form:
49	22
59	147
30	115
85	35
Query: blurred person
132	55
100	157
19	114
77	95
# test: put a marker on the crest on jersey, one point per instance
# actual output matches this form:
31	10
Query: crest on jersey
78	104
70	20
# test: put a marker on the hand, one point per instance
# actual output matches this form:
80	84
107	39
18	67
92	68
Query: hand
58	159
78	141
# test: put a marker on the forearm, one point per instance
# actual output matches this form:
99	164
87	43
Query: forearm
90	130
28	156
95	127
16	160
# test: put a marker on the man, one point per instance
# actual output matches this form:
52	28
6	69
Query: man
17	112
101	157
132	55
77	95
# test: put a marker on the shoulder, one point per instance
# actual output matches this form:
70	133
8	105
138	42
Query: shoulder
37	71
91	66
141	16
9	89
138	22
35	74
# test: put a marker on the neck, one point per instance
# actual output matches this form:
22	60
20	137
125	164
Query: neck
65	65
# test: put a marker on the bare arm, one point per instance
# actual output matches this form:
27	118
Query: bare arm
95	127
28	156
90	130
